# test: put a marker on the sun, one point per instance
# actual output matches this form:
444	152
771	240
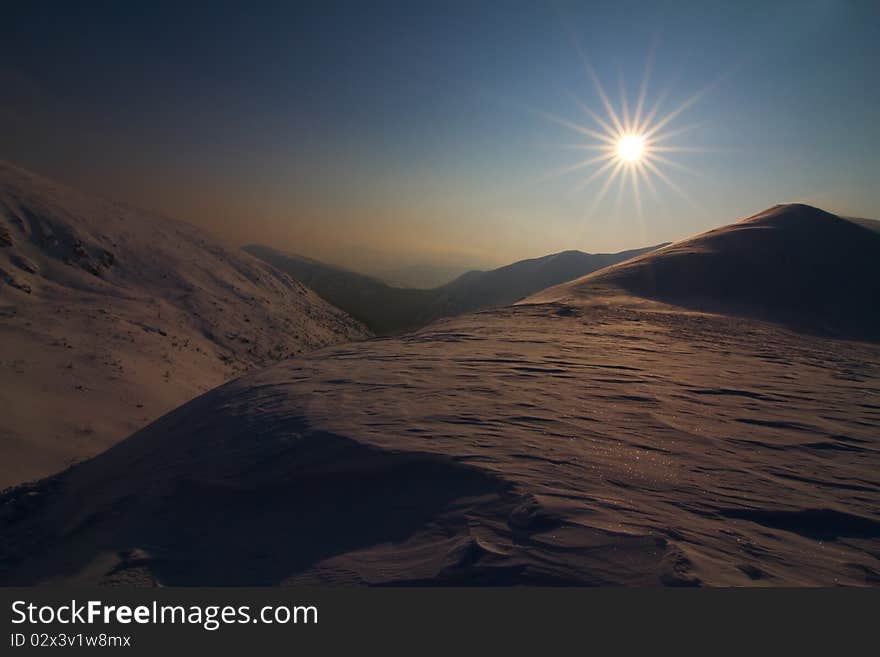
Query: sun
630	148
630	142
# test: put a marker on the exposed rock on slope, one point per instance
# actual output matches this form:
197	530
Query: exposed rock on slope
110	317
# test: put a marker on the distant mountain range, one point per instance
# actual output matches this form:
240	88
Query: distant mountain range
386	309
422	277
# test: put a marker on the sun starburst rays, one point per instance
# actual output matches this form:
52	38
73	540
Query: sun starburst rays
633	141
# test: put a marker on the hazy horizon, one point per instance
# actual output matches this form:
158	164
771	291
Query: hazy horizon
619	325
403	136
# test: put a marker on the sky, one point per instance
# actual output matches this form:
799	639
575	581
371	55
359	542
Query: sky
389	134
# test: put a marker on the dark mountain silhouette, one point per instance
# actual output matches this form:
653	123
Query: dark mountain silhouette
386	309
792	263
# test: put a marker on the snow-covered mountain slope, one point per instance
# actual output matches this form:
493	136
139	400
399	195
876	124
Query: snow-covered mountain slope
793	264
527	445
110	317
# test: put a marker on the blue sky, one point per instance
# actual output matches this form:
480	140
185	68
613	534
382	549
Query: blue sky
417	132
